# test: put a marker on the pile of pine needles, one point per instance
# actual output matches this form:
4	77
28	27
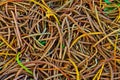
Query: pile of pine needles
59	40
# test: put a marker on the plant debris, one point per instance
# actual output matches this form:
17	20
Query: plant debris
59	40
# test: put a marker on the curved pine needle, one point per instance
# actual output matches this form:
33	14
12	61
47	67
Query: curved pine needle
106	37
49	12
22	66
76	68
83	35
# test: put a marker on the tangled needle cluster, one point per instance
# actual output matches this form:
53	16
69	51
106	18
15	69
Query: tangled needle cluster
59	40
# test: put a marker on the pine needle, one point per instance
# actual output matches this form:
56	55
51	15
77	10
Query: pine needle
7	54
97	76
106	37
115	47
20	64
76	68
7	43
100	3
83	35
49	12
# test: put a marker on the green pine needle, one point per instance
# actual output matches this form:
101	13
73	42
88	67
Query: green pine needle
20	64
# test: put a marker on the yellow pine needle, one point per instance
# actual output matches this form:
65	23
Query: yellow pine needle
103	6
9	62
56	19
117	60
7	43
100	72
105	37
83	35
3	2
11	45
49	12
97	76
118	17
98	19
6	1
7	54
115	47
76	68
44	3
